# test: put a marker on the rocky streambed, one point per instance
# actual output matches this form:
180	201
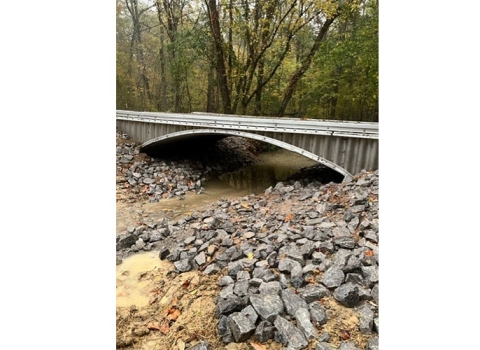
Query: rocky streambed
295	267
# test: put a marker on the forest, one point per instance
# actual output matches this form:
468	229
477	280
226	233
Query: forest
285	58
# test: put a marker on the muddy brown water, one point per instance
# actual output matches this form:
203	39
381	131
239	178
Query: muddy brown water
270	168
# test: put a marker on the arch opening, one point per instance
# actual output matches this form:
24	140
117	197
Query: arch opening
199	140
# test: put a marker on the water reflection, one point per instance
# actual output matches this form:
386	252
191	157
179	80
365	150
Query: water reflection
271	168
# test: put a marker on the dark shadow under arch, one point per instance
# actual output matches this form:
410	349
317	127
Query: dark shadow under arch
212	135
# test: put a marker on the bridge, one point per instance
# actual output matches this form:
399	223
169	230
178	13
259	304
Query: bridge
345	146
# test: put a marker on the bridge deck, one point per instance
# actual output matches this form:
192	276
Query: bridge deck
347	147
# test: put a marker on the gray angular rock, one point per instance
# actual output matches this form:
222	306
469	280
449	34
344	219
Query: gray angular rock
353	263
287	264
302	316
272	287
272	259
211	221
241	288
283	281
366	319
348	346
313	292
225	280
200	259
317	313
267	306
347	295
211	269
323	346
333	277
374	293
265	274
318	257
183	265
148	181
155	236
292	252
354	278
164	231
127	241
226	291
370	274
250	313
292	301
311	222
288	334
163	253
353	224
264	331
324	337
296	277
189	240
243	275
255	282
345	241
222	326
372	344
241	326
371	235
234	267
227	306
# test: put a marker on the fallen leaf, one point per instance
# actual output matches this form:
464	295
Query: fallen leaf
186	284
193	292
345	335
168	311
165	328
288	217
153	326
369	253
257	346
250	255
245	205
174	315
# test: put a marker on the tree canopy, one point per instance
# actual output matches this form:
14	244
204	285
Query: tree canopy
301	58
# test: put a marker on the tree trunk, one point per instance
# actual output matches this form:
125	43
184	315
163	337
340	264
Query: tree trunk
211	93
219	55
163	102
258	94
295	78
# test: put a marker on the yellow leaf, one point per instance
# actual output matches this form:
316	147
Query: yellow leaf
250	255
193	292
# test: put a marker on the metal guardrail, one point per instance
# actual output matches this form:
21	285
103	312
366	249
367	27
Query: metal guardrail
250	123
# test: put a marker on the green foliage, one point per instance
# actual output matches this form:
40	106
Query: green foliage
171	66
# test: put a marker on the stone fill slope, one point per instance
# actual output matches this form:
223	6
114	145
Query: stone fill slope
298	264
